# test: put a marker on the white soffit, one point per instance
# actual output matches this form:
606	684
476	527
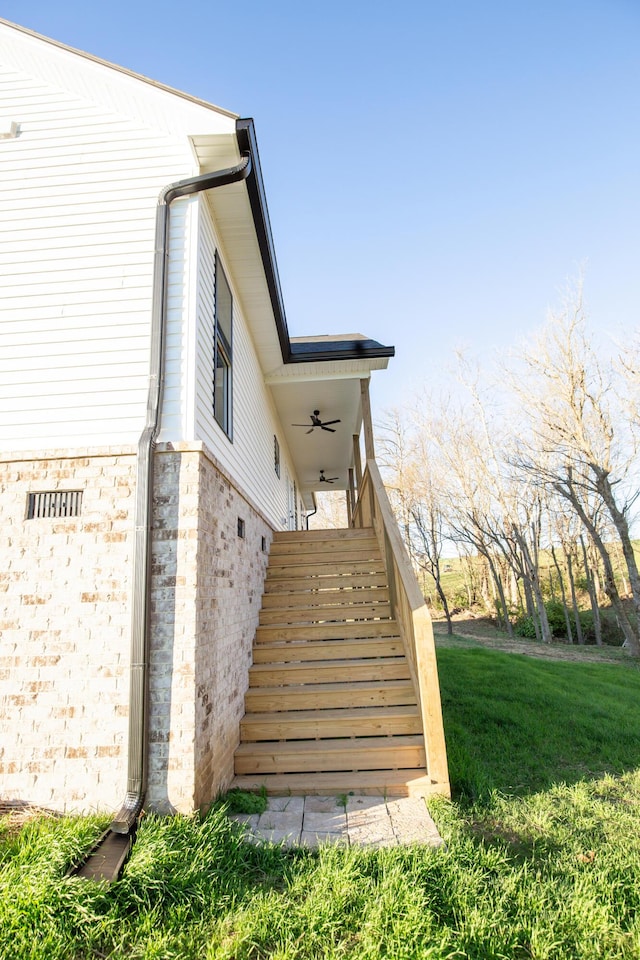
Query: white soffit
235	230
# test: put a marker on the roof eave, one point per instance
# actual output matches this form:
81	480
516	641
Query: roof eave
299	352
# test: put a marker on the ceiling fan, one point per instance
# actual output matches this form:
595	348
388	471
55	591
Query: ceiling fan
317	422
324	479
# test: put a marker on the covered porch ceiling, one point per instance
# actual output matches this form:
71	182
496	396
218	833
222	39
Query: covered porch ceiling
319	450
333	388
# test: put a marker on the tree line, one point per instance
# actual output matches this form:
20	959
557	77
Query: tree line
533	475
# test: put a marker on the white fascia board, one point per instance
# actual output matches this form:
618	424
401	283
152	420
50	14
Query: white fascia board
333	370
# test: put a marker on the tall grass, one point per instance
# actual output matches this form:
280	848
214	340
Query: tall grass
542	856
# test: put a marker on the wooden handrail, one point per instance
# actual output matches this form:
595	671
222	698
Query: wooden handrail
407	603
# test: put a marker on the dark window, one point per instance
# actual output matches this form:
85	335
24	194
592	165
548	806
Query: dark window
241	527
276	455
223	358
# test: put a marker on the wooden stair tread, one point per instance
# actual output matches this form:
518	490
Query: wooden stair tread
339	745
326	671
364	693
277	651
332	580
357	595
396	783
334	550
286	668
342	713
319	568
363	753
329	533
351	553
346	612
328	687
332	724
327	631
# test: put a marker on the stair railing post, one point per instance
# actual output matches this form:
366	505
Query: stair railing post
351	499
367	422
357	462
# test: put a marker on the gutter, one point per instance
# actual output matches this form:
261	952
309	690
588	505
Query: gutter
297	352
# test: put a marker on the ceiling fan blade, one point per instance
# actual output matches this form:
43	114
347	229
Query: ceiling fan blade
310	431
328	429
327	423
299	424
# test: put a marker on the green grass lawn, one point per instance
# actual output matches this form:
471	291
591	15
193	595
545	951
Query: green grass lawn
542	856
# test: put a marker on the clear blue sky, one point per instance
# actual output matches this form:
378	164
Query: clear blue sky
434	170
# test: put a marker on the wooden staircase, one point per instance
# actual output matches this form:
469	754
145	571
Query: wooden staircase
331	707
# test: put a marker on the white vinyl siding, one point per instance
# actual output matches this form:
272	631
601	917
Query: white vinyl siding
250	456
77	230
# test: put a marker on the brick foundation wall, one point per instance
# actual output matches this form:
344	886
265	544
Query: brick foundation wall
229	595
65	624
64	633
207	587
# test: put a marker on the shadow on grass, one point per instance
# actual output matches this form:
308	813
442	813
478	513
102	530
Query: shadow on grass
518	726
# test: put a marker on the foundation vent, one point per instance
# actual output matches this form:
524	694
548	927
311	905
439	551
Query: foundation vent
54	503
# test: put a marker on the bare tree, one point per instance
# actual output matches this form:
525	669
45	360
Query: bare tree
590	582
411	479
331	511
467	455
576	443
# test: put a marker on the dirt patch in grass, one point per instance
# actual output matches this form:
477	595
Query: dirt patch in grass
14	814
482	631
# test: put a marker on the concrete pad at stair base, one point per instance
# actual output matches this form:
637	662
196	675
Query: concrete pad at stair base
364	810
367	821
285	805
376	833
364	802
412	822
334	821
321	804
280	820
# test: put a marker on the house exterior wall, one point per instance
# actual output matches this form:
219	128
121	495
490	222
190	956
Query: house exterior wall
77	227
64	655
187	406
77	242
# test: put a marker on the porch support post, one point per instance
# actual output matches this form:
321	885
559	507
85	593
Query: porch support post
349	508
357	463
366	420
